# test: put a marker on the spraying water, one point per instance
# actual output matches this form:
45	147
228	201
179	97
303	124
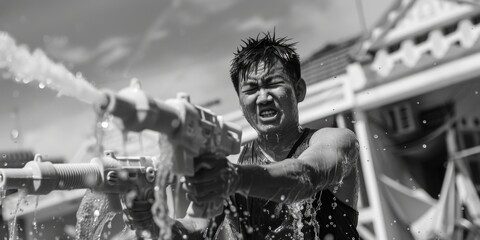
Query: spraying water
24	66
34	223
163	178
13	227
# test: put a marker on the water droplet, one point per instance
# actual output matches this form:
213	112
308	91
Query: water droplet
41	85
14	134
334	205
424	145
424	121
375	136
26	80
79	75
476	92
411	179
104	124
418	103
5	164
282	198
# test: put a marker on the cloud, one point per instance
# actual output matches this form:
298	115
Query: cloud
158	35
113	56
108	52
256	23
212	6
192	13
205	81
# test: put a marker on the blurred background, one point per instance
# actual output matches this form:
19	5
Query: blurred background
404	75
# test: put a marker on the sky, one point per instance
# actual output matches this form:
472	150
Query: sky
170	46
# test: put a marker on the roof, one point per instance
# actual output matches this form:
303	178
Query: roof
328	62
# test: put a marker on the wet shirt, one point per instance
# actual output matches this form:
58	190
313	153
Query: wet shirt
322	215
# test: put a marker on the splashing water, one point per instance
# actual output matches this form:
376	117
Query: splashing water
24	66
22	195
164	176
34	222
94	212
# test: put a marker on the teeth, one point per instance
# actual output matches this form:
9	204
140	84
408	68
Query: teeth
268	113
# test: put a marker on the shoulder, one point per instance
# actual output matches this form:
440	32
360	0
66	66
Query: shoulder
337	136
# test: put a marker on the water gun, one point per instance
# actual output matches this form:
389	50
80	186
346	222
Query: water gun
193	131
108	174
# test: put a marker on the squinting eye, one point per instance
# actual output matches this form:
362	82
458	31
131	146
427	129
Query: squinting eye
249	88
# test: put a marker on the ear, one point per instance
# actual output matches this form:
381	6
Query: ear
300	90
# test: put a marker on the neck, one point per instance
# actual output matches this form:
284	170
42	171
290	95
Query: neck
277	145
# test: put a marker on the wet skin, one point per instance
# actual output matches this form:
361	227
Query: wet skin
269	100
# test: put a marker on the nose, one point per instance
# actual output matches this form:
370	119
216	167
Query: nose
264	97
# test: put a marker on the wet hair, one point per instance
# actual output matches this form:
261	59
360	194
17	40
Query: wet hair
267	49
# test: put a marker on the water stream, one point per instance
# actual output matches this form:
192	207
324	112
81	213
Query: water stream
34	223
163	178
13	224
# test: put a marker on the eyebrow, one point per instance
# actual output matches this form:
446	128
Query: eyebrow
267	77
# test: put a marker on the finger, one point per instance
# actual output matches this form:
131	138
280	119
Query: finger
198	200
211	196
219	171
204	162
204	177
203	189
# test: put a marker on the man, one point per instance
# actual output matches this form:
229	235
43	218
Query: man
289	183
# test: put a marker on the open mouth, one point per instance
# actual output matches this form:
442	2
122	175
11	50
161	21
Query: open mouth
268	114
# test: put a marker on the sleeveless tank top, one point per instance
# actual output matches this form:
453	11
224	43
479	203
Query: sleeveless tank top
319	217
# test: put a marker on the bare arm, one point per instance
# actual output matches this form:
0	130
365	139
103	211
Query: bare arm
331	155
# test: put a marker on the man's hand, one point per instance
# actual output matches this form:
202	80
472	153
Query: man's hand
215	179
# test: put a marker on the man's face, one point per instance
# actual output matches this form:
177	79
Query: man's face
267	98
